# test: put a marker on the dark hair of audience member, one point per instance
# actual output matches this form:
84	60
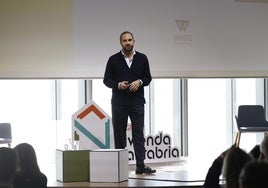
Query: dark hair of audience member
254	175
234	161
29	174
27	159
255	152
264	149
8	161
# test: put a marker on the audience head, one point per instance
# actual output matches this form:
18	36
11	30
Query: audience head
254	175
8	161
233	162
27	160
264	149
255	152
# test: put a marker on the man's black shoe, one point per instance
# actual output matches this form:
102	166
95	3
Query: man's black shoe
145	170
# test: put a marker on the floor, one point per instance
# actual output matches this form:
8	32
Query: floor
183	173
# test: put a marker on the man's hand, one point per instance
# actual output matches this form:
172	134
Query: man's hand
134	86
123	85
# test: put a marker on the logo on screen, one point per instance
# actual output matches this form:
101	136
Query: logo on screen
183	36
182	25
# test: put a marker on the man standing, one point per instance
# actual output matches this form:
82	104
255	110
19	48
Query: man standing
127	72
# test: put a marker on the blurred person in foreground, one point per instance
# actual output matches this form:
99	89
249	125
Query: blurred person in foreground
8	162
28	172
228	165
254	175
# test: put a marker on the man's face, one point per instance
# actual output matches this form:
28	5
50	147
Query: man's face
127	42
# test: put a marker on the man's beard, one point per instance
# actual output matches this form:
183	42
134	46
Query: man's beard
128	48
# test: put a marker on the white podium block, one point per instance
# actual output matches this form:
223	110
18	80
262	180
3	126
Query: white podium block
108	165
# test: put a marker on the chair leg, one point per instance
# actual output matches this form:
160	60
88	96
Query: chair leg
237	138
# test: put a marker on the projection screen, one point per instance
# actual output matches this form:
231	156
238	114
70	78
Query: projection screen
181	38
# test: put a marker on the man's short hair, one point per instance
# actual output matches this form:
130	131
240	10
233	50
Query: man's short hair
126	32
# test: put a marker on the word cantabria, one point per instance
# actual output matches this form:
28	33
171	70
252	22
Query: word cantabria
158	148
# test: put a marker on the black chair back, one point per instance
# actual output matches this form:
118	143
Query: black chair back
251	116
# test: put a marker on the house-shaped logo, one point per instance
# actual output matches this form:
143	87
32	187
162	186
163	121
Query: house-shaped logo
93	127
